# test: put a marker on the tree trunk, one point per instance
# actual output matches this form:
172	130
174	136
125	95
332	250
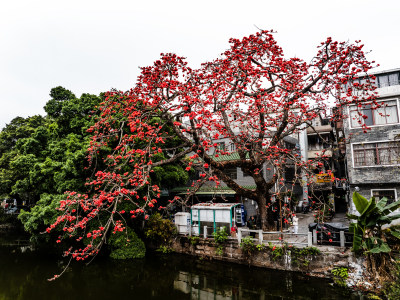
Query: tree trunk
266	215
380	267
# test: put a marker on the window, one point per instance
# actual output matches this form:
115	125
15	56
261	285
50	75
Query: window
381	81
318	142
290	146
387	79
376	154
389	194
387	113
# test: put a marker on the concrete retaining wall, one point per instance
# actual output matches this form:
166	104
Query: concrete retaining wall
320	265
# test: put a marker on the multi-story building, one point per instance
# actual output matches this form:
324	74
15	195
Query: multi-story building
321	147
373	155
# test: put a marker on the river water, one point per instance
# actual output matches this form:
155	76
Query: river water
23	276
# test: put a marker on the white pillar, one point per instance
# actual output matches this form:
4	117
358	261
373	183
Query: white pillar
342	240
303	142
260	237
314	233
239	235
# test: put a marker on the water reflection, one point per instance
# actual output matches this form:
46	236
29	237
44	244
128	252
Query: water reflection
23	276
220	281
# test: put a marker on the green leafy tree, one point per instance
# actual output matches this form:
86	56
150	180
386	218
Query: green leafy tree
17	129
15	159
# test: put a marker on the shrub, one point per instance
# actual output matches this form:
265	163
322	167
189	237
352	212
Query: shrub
392	288
303	256
220	238
299	256
248	246
126	245
340	275
160	231
277	251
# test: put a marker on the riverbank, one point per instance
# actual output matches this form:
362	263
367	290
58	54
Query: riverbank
313	261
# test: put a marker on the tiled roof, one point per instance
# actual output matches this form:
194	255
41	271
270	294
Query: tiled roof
214	205
230	156
209	190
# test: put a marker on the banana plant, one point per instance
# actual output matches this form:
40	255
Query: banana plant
367	228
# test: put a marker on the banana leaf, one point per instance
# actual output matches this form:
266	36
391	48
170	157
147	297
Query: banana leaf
352	217
371	208
381	204
395	233
357	242
394	217
391	207
380	248
360	202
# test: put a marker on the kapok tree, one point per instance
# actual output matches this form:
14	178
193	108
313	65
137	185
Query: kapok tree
251	96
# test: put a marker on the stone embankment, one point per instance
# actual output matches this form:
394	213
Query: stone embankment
319	265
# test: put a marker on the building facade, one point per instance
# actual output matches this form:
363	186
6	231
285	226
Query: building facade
373	154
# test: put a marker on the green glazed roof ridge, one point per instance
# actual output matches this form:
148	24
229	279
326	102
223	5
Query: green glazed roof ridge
210	188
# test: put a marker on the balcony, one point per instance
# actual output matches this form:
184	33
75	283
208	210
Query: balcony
319	129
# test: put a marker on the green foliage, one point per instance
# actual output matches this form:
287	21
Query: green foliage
170	175
248	246
194	240
43	157
392	288
260	247
303	256
47	155
16	130
160	231
340	275
59	96
368	235
220	238
126	245
42	214
299	256
277	252
164	249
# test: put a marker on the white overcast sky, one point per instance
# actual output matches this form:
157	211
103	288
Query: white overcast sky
91	46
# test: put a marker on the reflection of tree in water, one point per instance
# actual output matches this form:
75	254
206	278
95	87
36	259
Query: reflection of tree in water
23	276
221	281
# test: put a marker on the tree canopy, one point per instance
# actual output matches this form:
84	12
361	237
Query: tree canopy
46	155
252	96
43	157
